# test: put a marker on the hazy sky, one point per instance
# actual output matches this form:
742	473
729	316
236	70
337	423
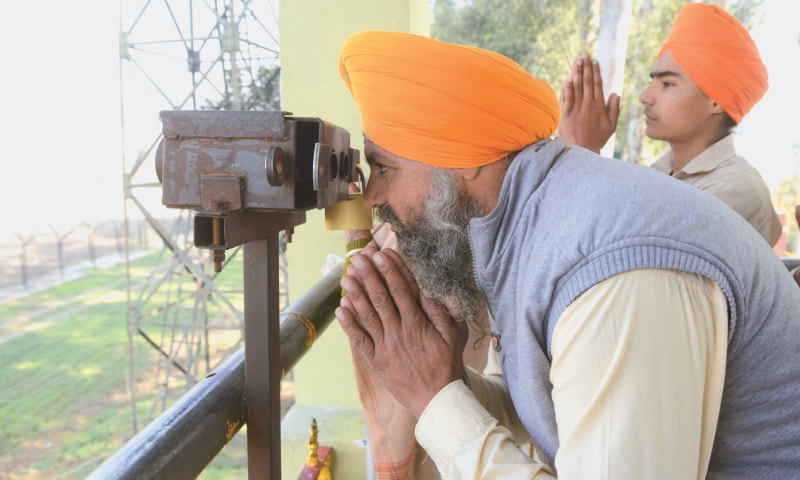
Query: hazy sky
62	128
767	134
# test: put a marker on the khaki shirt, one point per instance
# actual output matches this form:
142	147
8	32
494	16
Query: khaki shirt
723	174
636	388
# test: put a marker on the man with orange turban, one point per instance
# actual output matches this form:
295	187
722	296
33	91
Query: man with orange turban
632	342
529	112
707	77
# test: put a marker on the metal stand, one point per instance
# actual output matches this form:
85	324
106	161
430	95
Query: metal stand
262	358
250	175
262	363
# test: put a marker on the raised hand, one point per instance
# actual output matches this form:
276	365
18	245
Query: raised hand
586	119
411	342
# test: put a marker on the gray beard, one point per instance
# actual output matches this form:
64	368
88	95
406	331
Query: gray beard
435	245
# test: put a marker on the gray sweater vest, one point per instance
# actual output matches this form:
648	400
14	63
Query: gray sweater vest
567	219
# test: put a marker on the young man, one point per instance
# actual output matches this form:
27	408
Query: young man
632	342
707	76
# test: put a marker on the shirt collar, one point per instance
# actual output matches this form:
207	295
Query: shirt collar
707	161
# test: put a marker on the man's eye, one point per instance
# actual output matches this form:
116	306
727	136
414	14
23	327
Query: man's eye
381	168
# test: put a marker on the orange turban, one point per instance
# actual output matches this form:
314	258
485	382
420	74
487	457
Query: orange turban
443	104
718	54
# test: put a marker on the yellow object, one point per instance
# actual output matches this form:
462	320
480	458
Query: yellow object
352	214
311	330
231	429
313	445
323	471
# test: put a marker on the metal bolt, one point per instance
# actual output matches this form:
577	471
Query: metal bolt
217	246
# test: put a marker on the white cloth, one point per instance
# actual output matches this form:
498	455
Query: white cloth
636	388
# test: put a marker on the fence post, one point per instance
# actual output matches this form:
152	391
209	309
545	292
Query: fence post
23	258
118	236
92	240
60	247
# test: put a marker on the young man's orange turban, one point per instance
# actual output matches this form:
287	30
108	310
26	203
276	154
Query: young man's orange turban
443	104
718	54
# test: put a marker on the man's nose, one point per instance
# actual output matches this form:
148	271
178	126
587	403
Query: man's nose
373	195
645	98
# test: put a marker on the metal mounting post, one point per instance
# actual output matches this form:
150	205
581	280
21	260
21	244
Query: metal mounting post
250	175
262	358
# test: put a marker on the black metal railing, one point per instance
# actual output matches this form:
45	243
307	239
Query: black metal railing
182	441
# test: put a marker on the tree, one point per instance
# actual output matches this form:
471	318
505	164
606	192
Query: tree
612	45
262	93
536	35
787	195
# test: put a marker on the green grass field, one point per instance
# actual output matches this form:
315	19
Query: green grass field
66	355
64	394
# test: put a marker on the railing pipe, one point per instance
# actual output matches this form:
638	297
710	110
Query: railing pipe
791	263
185	438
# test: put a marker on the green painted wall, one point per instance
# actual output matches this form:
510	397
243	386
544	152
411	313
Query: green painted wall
312	33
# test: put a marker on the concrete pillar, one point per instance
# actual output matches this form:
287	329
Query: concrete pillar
311	35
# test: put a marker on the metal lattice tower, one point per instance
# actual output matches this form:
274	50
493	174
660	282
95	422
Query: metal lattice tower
213	54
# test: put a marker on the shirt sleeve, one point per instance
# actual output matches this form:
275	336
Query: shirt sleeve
466	441
491	391
747	195
638	368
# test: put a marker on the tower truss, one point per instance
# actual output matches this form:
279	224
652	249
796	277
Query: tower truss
183	319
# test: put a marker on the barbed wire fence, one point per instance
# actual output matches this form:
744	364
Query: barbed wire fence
33	259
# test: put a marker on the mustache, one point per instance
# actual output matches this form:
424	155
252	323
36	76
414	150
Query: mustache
386	214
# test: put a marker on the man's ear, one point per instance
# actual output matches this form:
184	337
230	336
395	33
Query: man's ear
483	183
715	108
469	174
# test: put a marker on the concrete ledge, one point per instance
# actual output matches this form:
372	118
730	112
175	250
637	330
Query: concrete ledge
343	429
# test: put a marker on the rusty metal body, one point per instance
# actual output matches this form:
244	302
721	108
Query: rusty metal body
250	175
223	164
218	162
